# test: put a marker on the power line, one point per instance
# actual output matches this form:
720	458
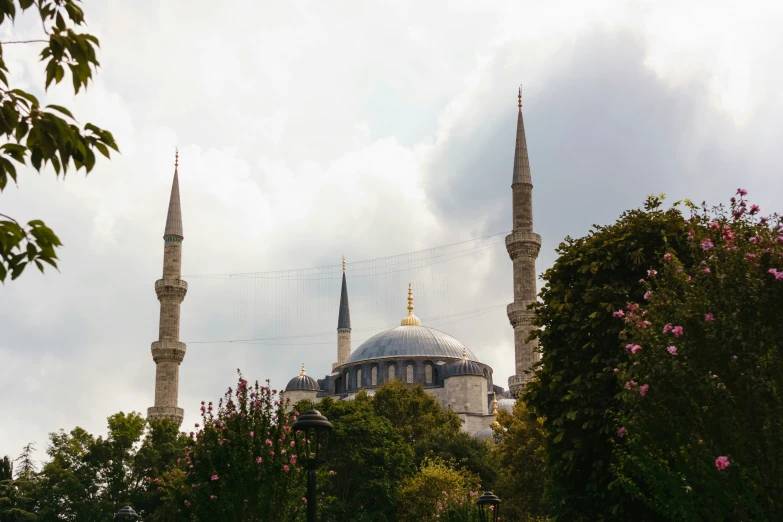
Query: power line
266	340
353	265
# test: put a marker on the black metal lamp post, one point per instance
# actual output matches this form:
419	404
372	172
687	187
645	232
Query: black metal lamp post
311	433
126	513
489	507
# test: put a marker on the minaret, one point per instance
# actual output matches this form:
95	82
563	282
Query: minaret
167	351
343	326
523	245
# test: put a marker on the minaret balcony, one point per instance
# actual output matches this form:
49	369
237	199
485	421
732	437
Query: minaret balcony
519	315
168	351
523	244
171	288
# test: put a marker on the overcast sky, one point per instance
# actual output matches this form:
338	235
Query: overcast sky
308	130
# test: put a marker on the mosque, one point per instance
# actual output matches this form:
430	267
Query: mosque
412	352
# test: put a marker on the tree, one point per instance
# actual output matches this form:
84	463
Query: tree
17	495
49	134
520	448
575	390
700	434
438	492
239	464
367	461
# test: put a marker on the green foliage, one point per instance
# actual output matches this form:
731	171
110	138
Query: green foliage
438	492
721	392
48	134
520	446
239	464
575	394
16	496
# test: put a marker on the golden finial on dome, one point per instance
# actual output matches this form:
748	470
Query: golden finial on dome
176	157
464	354
343	264
495	405
519	97
410	319
303	371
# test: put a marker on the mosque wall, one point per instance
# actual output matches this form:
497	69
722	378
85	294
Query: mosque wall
475	423
295	396
466	393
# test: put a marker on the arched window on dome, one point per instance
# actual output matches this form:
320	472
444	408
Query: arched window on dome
346	381
427	374
374	376
392	372
359	378
409	374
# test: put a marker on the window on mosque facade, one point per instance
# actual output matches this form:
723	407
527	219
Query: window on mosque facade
428	374
346	381
391	372
409	374
374	376
359	378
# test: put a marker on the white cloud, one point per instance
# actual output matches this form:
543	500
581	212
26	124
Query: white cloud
308	131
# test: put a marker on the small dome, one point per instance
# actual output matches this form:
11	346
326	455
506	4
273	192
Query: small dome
485	434
507	404
464	367
302	382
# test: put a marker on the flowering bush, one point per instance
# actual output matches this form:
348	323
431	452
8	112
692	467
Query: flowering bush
700	433
440	492
240	463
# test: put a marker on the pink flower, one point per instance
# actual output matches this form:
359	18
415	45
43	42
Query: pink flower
706	244
619	314
332	472
251	434
636	349
754	239
707	270
212	497
709	317
187	503
677	331
304	500
647	294
292	444
715	225
214	477
750	256
722	463
643	389
259	460
197	424
667	328
779	239
652	273
630	385
691	234
672	350
742	192
734	357
754	209
622	432
268	442
616	370
272	453
667	257
285	467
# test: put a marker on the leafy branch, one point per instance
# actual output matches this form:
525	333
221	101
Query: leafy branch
49	134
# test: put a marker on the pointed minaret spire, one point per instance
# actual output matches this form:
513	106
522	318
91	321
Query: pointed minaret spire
523	246
343	325
174	217
521	163
168	352
410	319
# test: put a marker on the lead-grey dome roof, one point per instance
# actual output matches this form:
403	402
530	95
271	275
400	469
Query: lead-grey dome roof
464	367
410	341
303	383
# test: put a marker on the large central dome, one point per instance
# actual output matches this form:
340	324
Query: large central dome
410	341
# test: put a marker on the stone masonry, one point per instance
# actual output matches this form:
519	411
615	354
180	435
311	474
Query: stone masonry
523	246
343	326
167	351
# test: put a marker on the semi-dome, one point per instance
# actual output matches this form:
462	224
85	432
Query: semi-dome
507	404
302	382
464	366
485	434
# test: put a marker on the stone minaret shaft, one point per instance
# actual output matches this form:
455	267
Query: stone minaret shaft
523	246
167	351
343	326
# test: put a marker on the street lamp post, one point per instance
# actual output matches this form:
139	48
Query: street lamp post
311	433
126	513
489	507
